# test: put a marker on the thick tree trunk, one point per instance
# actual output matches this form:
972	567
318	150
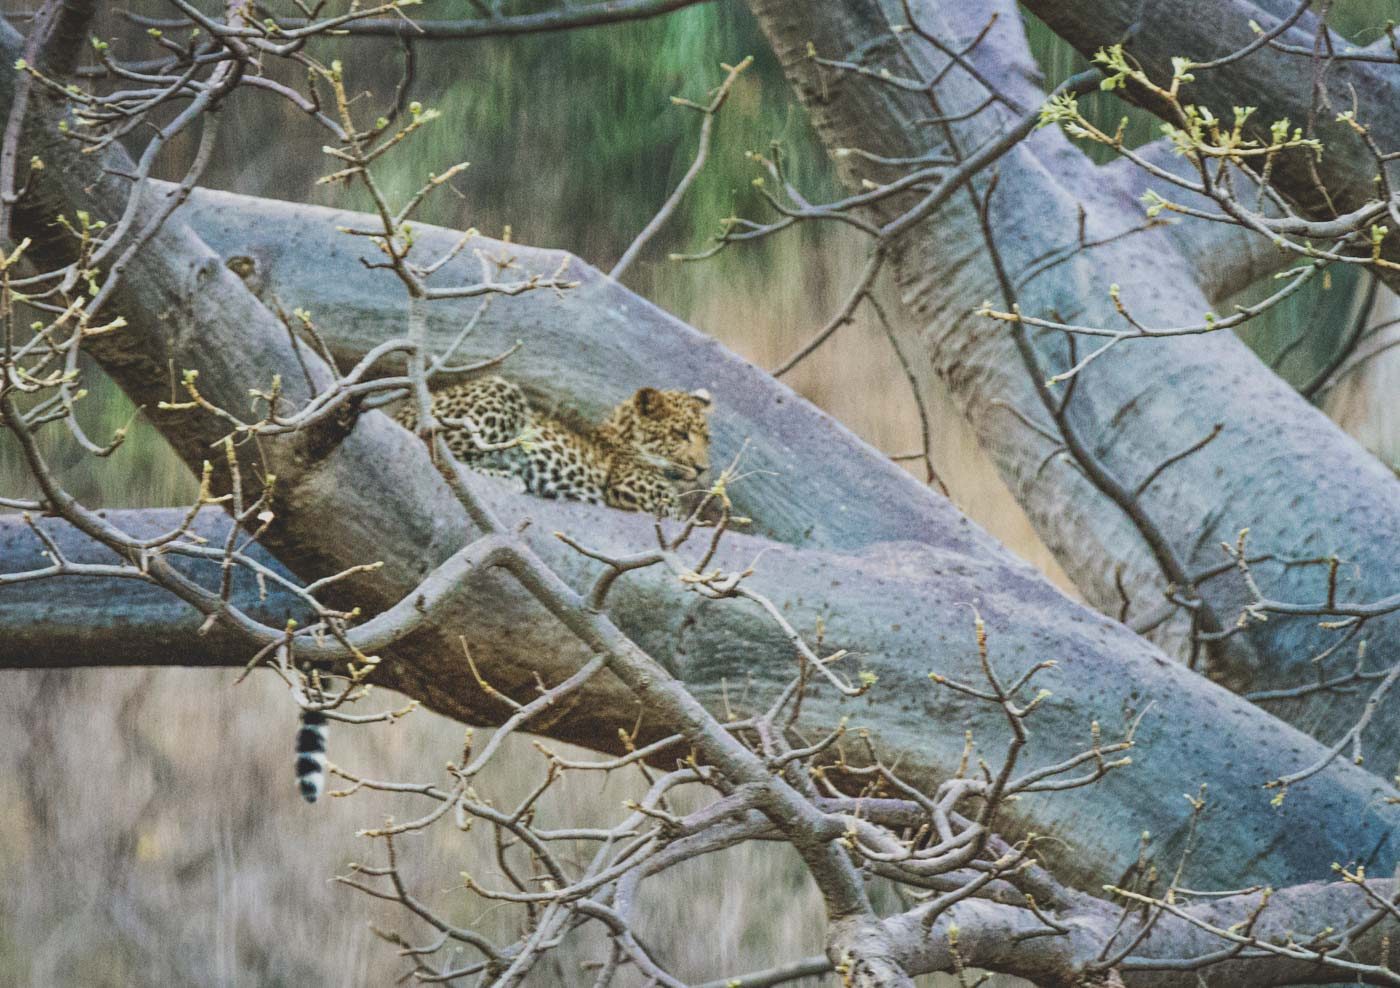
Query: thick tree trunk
1278	468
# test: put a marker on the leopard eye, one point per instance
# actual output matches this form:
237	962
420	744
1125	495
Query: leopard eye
680	434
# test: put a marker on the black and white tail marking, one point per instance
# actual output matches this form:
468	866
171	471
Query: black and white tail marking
311	755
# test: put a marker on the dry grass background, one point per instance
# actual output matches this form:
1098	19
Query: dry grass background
152	834
154	839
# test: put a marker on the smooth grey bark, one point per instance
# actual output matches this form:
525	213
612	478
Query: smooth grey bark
346	497
902	607
1279	467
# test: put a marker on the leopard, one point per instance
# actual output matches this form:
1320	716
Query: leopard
649	451
643	457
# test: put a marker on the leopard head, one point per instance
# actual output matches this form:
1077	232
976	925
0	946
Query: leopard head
666	430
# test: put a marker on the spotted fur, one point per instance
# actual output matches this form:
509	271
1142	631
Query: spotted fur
652	448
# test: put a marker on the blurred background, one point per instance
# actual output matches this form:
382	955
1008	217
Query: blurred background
153	833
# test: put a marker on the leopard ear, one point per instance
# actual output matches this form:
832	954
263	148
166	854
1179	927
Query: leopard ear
648	401
702	396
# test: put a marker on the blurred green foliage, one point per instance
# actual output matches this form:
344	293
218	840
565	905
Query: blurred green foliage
578	141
